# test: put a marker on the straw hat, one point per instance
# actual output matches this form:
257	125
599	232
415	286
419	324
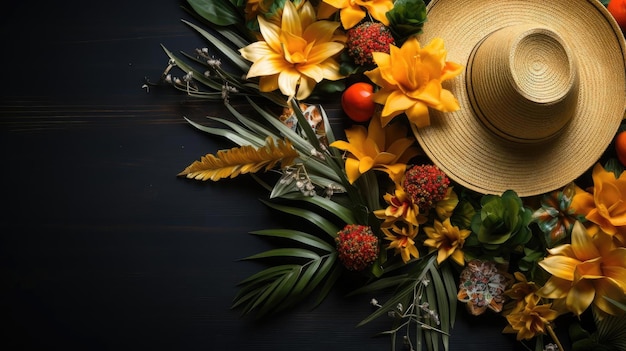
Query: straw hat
542	95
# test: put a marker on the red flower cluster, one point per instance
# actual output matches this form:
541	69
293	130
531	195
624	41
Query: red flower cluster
367	38
426	185
357	246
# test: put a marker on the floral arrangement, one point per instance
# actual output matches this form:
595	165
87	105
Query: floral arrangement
375	207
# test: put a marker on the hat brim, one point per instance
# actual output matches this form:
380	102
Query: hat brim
459	144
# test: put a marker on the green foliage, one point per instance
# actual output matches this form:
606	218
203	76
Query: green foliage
423	304
218	12
406	19
610	335
501	225
281	286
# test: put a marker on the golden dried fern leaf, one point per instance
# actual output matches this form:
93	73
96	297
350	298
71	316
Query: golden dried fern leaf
241	160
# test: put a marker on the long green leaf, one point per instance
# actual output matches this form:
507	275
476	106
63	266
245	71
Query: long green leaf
330	281
218	12
234	137
340	211
296	235
285	252
282	290
199	76
329	262
382	284
443	307
451	289
422	268
253	139
232	55
310	216
266	274
251	124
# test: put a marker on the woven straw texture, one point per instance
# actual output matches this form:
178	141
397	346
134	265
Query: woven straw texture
542	95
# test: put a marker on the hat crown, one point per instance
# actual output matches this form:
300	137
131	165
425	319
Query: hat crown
523	83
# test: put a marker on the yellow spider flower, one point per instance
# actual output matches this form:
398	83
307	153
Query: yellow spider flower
410	80
586	271
530	319
402	240
400	208
448	239
296	55
387	149
353	11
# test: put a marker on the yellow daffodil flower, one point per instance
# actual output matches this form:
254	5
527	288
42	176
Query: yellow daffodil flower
606	206
387	149
530	319
353	11
448	240
296	55
400	208
402	240
410	81
586	271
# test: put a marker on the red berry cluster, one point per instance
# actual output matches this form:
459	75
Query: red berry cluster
357	246
426	185
367	38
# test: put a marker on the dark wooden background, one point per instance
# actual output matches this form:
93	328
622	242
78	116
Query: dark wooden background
102	247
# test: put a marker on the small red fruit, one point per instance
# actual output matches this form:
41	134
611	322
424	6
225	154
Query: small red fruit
617	8
620	147
357	101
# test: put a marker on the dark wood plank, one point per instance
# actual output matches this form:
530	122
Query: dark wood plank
102	247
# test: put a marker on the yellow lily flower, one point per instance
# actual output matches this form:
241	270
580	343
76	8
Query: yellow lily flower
353	11
387	149
586	271
530	319
296	55
400	208
410	80
448	240
402	240
606	206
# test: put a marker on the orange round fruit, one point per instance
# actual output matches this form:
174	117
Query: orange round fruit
620	147
617	8
357	101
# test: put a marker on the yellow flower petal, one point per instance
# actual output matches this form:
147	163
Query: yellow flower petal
418	115
351	16
560	266
605	287
288	81
378	9
555	288
580	297
291	19
352	169
582	245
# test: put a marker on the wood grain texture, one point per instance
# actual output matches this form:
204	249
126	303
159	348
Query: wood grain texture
102	246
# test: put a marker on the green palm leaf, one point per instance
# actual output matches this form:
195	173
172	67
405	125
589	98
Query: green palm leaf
319	221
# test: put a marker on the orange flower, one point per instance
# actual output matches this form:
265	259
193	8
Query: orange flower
400	208
410	79
385	149
448	239
531	319
295	55
586	271
353	11
402	240
606	207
